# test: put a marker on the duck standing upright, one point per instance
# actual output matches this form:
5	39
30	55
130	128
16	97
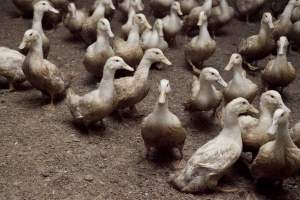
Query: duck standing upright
162	130
89	28
97	104
201	47
240	85
98	52
279	73
124	5
209	163
279	159
133	89
40	8
258	46
42	74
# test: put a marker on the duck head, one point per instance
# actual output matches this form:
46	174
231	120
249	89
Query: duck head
155	55
267	19
295	3
115	63
30	36
45	6
103	25
108	4
280	117
210	74
72	8
272	101
137	5
141	20
164	89
202	18
176	7
240	106
235	60
282	44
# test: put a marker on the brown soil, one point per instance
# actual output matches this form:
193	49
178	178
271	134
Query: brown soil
43	156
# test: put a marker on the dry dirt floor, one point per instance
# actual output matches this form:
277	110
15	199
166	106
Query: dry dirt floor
44	157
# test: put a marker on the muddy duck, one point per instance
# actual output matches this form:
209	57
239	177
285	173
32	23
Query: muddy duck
89	27
124	5
98	52
240	85
40	8
97	104
254	131
154	38
42	74
160	7
191	20
172	23
279	73
220	16
204	95
162	130
132	12
248	7
188	5
283	26
258	46
279	159
212	160
133	89
131	50
74	19
201	47
11	62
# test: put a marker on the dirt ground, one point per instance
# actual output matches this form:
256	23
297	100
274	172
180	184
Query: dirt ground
43	156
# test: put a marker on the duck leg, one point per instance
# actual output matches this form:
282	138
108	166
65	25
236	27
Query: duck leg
10	89
195	69
50	106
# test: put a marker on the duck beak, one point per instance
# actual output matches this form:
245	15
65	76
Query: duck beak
147	24
110	33
281	48
166	61
179	11
200	22
252	109
271	25
162	97
284	107
229	66
112	6
140	6
128	68
51	9
23	44
273	129
222	82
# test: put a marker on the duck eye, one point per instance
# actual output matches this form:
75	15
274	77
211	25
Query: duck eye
272	96
43	4
117	61
282	115
30	34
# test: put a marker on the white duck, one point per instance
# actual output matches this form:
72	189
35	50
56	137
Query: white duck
211	161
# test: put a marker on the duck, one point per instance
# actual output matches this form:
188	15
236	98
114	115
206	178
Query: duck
220	16
279	159
11	62
162	130
131	50
254	131
40	8
89	27
124	5
132	12
295	34
295	14
201	47
211	161
97	104
74	19
154	38
283	26
188	5
279	73
97	53
109	7
42	74
160	7
248	7
257	47
295	134
172	23
240	85
191	20
204	95
131	90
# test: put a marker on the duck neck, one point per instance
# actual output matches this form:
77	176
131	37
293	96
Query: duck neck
206	87
173	13
287	12
265	31
283	138
99	12
266	117
239	73
73	13
231	124
102	38
142	71
281	58
106	85
161	108
203	33
37	49
224	5
37	21
207	7
134	35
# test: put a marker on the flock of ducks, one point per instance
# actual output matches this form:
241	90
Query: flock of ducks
274	146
